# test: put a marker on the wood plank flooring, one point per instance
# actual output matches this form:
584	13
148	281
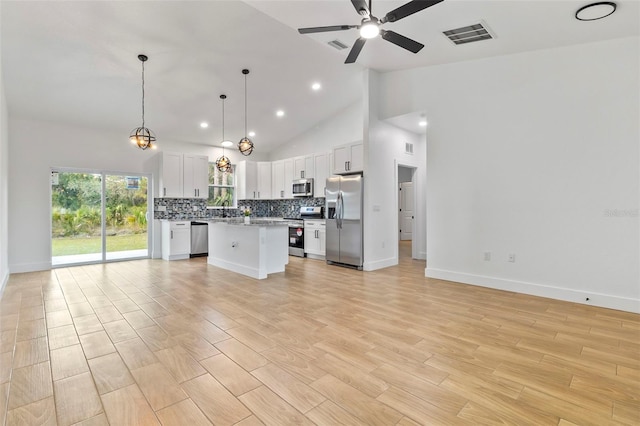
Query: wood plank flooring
174	343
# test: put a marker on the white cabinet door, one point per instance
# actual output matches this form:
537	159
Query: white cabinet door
288	178
303	167
315	238
348	158
277	179
356	163
196	176
341	156
321	173
247	180
263	180
176	240
171	176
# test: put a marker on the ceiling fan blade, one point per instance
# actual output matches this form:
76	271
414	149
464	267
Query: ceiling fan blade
355	50
325	29
402	41
362	7
408	9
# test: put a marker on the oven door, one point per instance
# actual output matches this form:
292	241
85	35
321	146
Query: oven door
296	241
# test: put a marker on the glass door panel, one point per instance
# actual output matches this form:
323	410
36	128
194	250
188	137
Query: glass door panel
76	217
97	217
126	217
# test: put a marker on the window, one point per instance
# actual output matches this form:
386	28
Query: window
222	187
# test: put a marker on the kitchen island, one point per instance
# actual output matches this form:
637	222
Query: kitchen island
256	249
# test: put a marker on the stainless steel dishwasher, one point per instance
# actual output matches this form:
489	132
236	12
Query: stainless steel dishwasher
199	239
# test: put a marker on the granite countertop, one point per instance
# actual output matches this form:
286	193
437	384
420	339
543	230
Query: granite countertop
255	221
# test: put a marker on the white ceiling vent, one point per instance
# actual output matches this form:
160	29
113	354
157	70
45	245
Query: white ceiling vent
408	148
337	44
469	34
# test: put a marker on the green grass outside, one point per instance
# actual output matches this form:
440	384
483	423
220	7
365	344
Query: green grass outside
86	245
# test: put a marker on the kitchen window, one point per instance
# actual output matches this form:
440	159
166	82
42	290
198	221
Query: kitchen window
222	187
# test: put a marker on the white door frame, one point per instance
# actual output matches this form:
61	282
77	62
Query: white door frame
414	241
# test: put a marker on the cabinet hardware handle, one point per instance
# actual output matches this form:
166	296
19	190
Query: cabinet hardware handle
282	194
172	235
164	192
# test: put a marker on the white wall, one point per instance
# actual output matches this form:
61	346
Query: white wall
35	147
4	186
384	148
534	154
342	128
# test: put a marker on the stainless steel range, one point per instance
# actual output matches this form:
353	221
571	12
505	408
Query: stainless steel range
296	228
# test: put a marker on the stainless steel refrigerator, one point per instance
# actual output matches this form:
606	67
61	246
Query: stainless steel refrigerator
344	220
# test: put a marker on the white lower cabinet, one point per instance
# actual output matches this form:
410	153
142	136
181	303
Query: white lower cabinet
315	237
176	240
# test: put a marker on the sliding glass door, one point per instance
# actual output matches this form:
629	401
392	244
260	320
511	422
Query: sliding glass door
97	217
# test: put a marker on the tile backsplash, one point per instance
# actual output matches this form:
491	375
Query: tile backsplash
196	208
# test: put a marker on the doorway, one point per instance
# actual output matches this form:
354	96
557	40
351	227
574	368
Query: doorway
406	211
98	217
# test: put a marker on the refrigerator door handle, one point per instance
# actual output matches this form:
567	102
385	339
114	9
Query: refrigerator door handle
340	212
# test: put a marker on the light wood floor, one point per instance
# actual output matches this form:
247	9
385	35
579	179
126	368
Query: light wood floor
184	343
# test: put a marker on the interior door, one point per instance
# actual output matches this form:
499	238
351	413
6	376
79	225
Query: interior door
406	213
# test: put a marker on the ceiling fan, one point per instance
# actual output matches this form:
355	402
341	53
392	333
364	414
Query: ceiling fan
370	26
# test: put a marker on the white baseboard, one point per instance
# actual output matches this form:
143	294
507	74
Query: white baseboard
3	283
542	290
29	267
238	268
379	264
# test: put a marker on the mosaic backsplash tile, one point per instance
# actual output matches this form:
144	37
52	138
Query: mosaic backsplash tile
196	208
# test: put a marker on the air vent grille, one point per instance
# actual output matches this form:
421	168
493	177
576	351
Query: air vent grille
337	44
469	34
408	148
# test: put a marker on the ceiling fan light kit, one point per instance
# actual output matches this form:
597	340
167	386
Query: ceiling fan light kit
142	136
595	11
370	26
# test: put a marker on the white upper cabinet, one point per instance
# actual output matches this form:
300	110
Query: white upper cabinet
348	159
183	176
263	184
288	178
171	175
196	176
282	178
303	167
253	180
321	168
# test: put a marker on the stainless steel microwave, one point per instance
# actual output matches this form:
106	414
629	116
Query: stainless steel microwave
302	188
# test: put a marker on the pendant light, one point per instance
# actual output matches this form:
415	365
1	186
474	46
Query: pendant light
245	145
142	136
223	163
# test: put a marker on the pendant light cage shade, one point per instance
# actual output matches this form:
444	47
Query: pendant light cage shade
223	164
143	136
245	146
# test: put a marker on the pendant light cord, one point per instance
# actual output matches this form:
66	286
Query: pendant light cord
223	124
245	105
142	94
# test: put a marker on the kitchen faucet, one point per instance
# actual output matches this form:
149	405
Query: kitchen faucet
225	204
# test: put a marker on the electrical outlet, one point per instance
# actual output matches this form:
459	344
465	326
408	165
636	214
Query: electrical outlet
162	208
487	256
512	257
195	208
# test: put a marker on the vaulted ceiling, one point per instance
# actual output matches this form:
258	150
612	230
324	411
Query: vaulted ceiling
76	62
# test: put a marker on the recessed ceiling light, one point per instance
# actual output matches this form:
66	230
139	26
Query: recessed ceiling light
280	113
594	11
252	134
316	86
204	124
422	123
226	144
